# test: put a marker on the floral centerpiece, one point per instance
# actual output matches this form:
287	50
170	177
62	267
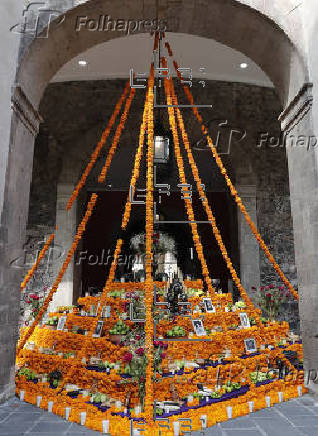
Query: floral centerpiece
271	298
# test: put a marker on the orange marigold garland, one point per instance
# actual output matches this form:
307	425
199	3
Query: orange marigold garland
120	127
183	180
98	148
149	397
37	262
110	279
205	202
78	236
135	173
232	189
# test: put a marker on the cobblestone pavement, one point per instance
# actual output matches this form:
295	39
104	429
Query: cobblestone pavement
297	417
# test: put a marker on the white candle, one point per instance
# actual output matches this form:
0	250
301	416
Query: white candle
83	418
67	413
176	428
204	421
21	395
280	396
118	404
50	406
229	412
190	398
38	400
251	406
137	410
268	401
300	390
106	426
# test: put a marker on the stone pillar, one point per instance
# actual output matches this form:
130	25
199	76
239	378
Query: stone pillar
24	127
248	246
303	176
66	222
10	14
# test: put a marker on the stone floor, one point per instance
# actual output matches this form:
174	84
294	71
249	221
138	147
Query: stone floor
294	418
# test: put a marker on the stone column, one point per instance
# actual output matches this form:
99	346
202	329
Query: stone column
303	177
14	213
66	222
248	246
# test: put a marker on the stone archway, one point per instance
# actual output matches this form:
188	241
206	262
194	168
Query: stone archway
251	33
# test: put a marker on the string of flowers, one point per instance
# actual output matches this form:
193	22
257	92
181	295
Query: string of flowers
149	397
232	189
37	262
135	173
107	286
205	202
189	208
117	135
77	238
98	148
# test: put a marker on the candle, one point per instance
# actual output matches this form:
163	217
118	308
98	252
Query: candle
50	406
229	412
280	396
251	406
67	413
21	395
176	428
83	418
300	390
38	400
204	421
106	426
268	401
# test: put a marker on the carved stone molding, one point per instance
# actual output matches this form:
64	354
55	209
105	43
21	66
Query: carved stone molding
297	108
25	110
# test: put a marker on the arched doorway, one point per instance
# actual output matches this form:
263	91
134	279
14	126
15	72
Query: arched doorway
248	33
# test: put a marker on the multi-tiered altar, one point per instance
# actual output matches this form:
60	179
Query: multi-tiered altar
170	356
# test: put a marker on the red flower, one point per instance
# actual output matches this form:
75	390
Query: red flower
156	343
140	351
127	357
268	295
28	301
163	355
281	288
138	337
34	297
262	288
271	286
142	379
165	346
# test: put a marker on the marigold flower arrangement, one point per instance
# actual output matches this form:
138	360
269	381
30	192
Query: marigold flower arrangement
83	373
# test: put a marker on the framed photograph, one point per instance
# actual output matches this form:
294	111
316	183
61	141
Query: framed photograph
98	330
61	323
208	305
106	311
198	327
245	322
250	345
